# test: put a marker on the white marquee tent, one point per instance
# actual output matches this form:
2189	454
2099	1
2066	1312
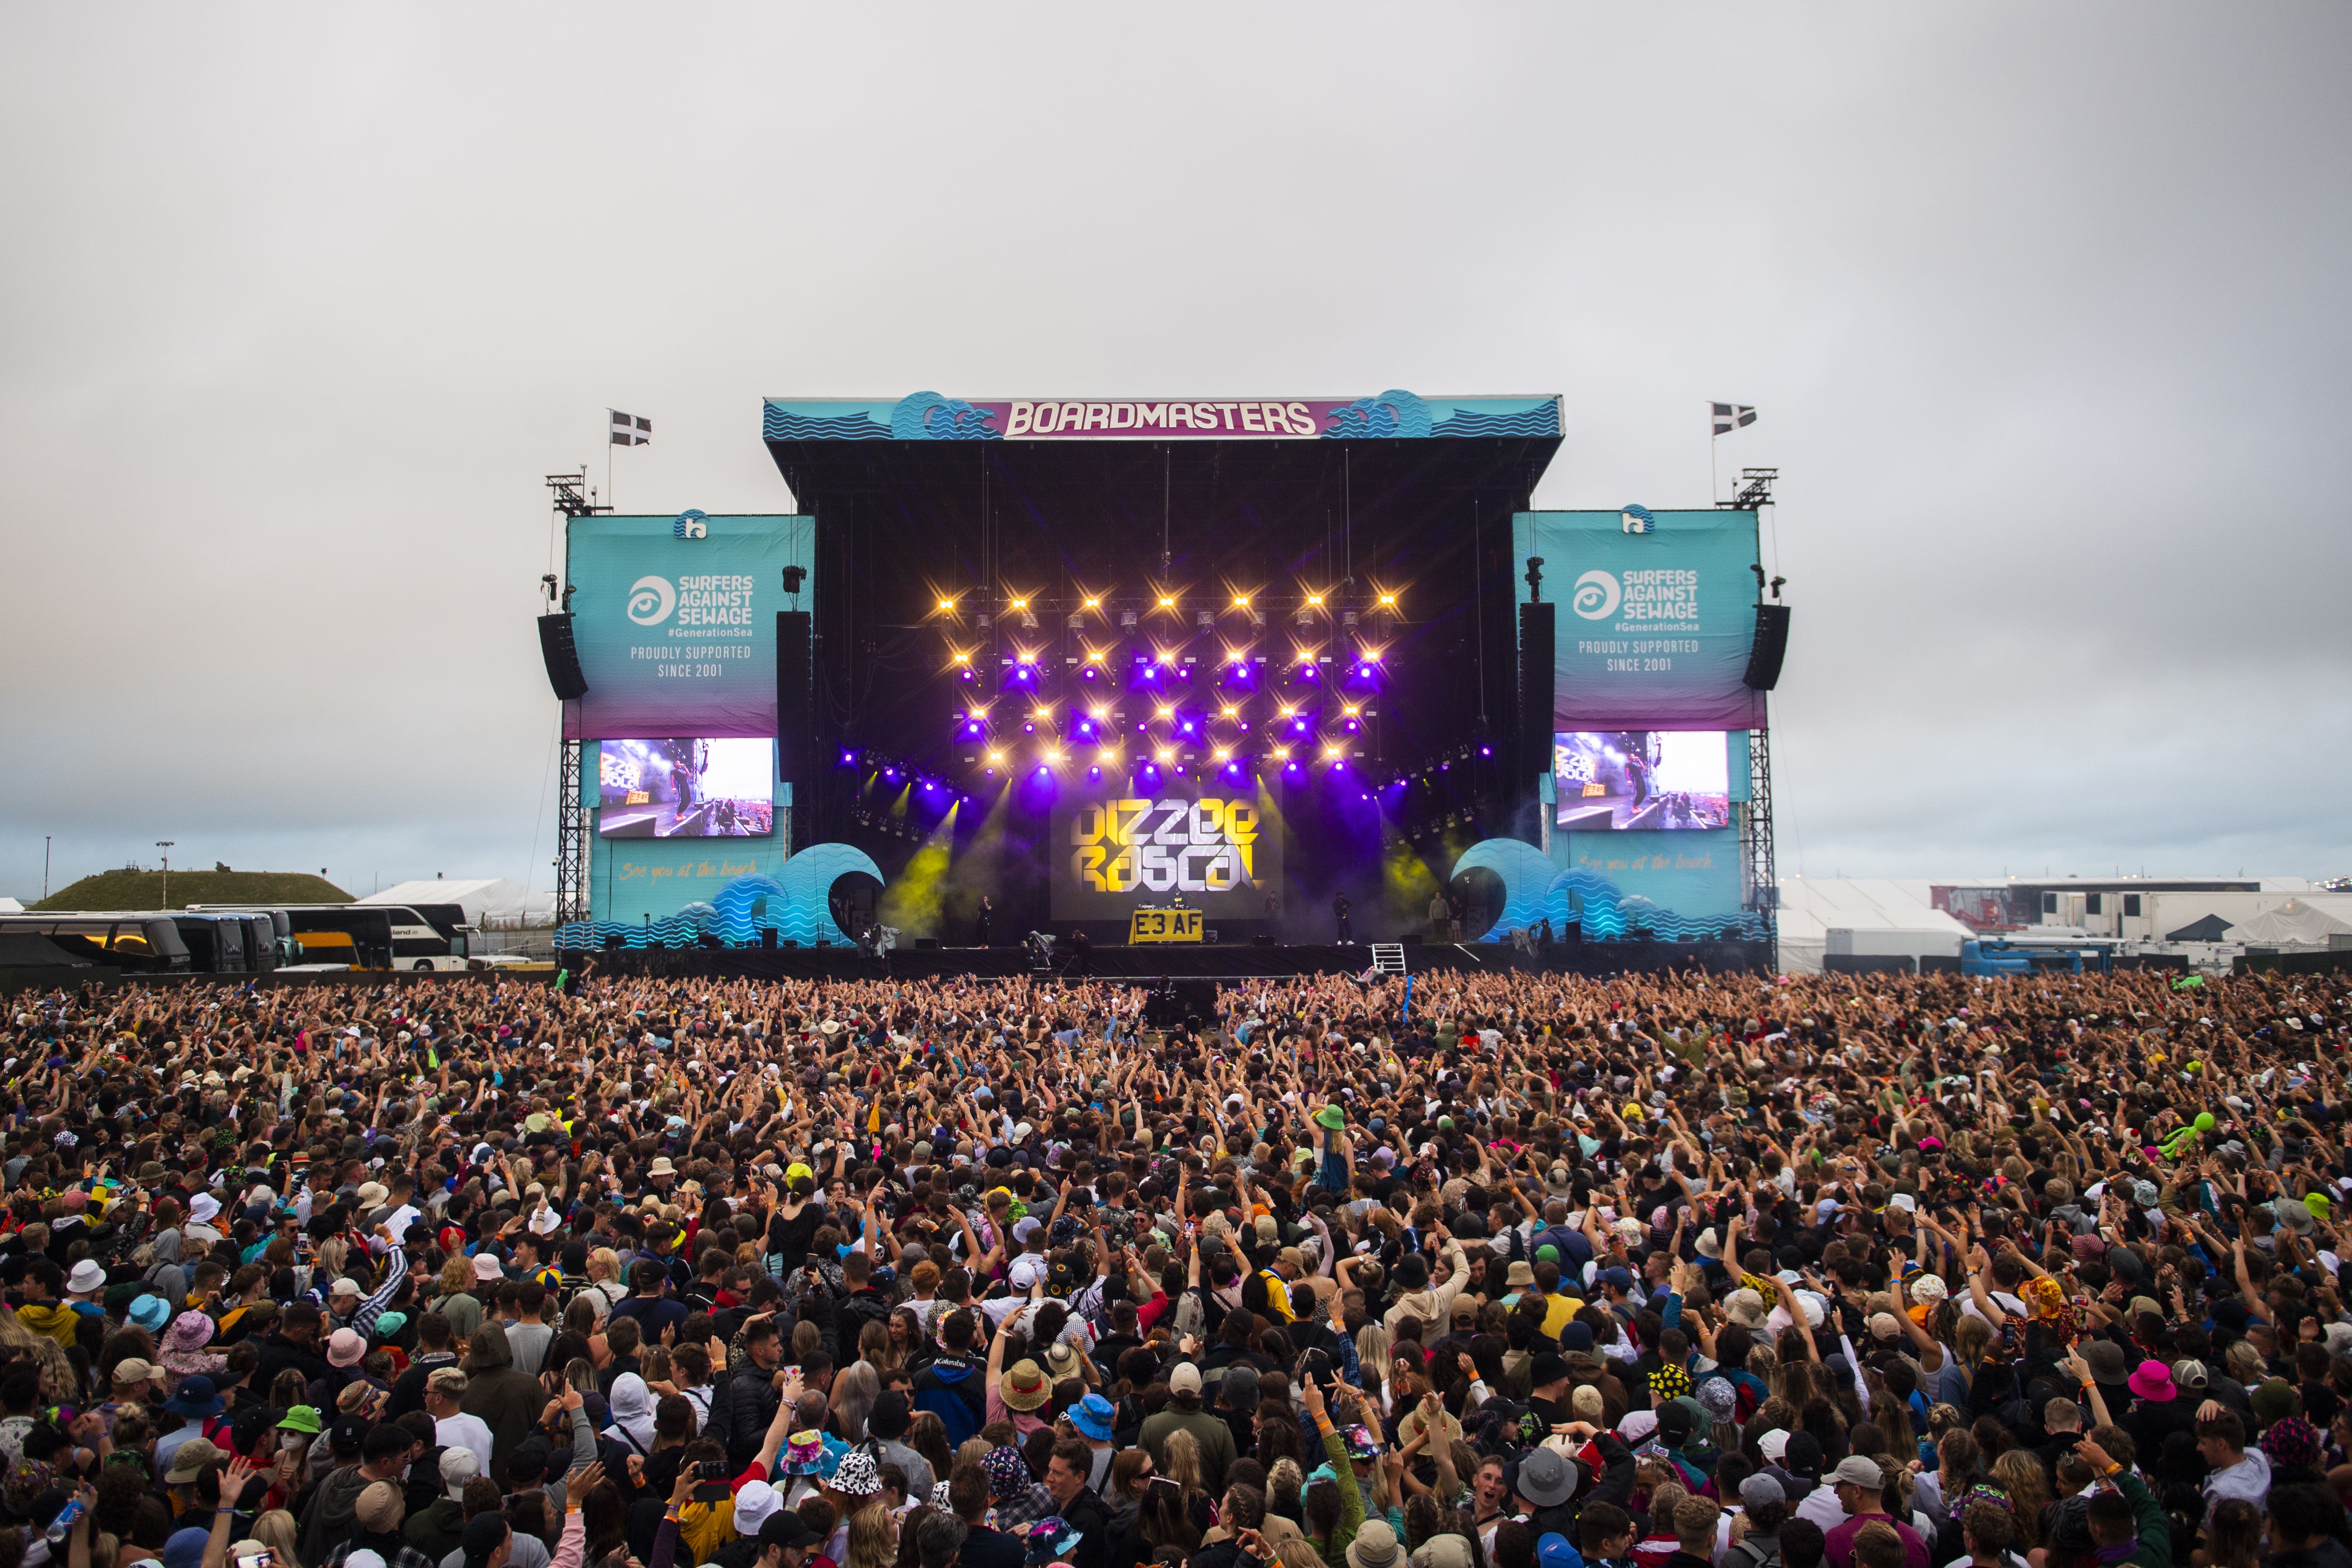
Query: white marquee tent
1887	915
489	902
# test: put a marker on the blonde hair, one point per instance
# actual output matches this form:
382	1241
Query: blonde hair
1185	1458
604	1264
873	1535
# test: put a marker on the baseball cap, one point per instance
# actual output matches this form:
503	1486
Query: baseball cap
1855	1470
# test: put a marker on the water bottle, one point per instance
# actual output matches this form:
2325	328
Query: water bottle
62	1526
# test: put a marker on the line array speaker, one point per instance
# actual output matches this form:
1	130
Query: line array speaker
1536	635
562	656
1771	645
795	745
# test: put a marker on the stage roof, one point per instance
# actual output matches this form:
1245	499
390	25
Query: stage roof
927	498
1260	457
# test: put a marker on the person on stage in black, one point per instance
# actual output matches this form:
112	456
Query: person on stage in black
986	908
1340	907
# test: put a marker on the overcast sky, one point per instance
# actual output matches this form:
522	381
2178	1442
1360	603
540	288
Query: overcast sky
2044	307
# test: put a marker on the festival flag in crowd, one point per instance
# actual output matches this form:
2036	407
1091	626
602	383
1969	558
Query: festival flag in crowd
630	431
1728	417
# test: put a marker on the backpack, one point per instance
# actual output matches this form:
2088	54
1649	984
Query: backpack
1757	1556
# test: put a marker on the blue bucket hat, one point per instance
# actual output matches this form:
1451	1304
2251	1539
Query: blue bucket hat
1093	1416
151	1313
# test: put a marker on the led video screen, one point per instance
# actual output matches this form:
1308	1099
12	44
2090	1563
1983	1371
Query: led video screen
1616	780
687	789
1214	853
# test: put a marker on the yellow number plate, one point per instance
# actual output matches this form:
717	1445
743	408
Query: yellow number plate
1163	925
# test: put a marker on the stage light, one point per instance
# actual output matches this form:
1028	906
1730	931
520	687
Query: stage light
1485	751
1288	710
1167	601
1163	754
1315	600
1388	601
996	756
1223	754
1205	620
1020	603
947	606
1230	710
1041	712
1053	756
1166	712
1241	601
1094	603
1028	729
1164	660
963	658
1101	712
1186	726
1282	753
1093	772
890	772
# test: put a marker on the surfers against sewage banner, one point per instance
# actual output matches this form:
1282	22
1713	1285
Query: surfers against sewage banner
1656	617
675	622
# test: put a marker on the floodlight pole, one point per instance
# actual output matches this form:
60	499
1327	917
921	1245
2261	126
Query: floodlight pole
165	846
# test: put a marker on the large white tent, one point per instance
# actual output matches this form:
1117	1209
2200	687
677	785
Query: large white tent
489	902
1887	915
2296	923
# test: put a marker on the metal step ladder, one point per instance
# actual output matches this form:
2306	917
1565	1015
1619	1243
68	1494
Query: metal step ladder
1388	957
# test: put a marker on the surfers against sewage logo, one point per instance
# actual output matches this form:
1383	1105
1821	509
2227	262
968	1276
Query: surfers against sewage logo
712	599
1663	593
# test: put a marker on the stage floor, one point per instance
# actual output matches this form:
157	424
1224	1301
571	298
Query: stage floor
1177	961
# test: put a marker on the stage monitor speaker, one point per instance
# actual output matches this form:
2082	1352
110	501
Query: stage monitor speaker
795	746
926	944
1535	634
562	656
1573	931
767	936
1772	643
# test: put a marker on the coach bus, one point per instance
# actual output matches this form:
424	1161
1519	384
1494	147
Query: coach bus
366	936
136	942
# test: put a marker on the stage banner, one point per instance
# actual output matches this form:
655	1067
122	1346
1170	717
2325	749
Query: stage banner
1664	881
1115	854
1395	414
1657	616
675	622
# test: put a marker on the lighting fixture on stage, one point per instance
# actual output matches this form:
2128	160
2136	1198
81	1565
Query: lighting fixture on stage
793	577
1224	755
1094	603
1077	622
1126	620
1100	711
1041	712
996	756
1205	620
1028	729
947	607
1163	754
1053	756
1166	712
1305	619
1167	601
1282	753
1388	601
1241	601
1315	600
1230	710
1288	710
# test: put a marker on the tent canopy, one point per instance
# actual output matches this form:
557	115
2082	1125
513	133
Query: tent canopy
2212	928
1812	907
2293	923
487	900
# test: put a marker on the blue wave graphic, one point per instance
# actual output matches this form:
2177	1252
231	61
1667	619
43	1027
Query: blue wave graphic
928	416
797	906
1534	890
1581	895
1539	421
1395	413
776	425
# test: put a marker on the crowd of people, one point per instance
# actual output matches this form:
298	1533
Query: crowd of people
1535	1271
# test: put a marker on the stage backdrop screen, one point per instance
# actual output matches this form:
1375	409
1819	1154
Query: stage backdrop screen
685	789
1620	780
1110	856
1657	614
675	622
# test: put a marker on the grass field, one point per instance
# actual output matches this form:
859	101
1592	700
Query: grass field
144	890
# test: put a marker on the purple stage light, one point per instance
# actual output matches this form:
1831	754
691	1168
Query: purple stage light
1485	751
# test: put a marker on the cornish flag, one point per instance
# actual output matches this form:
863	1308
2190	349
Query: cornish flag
1728	417
630	431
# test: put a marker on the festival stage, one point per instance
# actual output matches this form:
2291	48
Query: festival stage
1197	963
